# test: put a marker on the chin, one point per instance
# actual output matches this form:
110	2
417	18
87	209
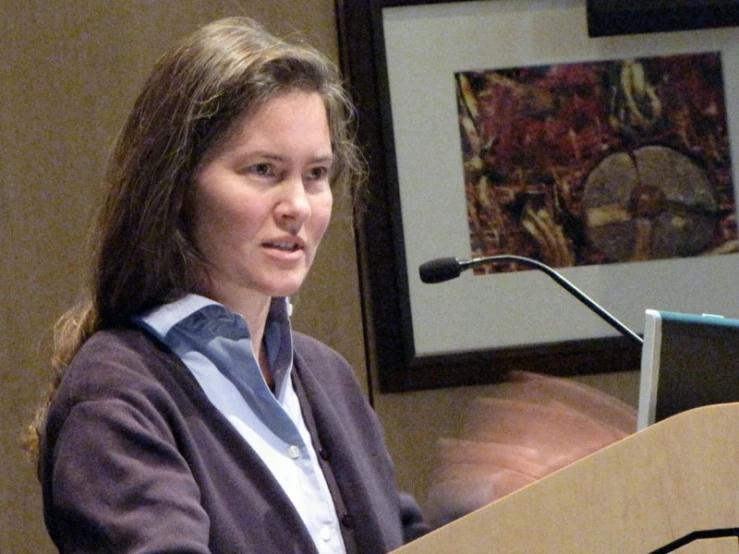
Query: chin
284	287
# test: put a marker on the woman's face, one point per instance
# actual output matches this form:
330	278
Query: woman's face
263	201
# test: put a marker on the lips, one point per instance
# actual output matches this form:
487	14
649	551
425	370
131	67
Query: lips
284	245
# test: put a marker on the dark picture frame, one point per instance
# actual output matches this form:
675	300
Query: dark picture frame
628	17
389	333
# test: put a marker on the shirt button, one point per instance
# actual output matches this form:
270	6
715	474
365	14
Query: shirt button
325	533
293	452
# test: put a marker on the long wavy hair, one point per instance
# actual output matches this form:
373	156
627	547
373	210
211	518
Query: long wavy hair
196	95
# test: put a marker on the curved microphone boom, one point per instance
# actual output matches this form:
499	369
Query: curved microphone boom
444	269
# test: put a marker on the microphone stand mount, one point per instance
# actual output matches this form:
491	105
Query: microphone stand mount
444	269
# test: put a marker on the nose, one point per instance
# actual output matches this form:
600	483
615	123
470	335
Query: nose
293	205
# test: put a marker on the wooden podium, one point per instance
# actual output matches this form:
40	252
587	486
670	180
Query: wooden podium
673	487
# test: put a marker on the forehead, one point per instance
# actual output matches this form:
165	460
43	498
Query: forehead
282	107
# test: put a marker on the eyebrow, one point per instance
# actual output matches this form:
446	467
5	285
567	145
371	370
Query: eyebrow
321	158
324	159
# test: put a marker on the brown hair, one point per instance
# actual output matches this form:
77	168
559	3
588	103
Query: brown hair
195	96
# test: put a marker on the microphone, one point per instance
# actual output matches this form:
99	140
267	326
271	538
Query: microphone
444	269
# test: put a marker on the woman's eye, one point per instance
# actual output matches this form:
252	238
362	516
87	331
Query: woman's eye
262	170
318	173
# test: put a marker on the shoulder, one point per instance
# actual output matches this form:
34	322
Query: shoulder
311	348
121	381
331	386
121	351
322	362
117	354
120	366
128	341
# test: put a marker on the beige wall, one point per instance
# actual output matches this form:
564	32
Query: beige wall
70	70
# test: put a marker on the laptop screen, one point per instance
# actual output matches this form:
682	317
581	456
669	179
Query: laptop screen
687	361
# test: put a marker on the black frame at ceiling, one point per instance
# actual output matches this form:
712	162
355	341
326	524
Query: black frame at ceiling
386	304
628	17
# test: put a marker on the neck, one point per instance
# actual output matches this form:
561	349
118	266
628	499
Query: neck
256	320
263	360
254	308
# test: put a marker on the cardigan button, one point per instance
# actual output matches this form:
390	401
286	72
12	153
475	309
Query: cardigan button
347	521
324	453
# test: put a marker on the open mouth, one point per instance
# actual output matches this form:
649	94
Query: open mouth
283	246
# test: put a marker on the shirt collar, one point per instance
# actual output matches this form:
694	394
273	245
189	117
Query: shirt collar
191	323
162	319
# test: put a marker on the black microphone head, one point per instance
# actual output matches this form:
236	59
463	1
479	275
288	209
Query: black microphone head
439	270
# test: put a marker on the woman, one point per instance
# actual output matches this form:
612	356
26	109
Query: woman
186	415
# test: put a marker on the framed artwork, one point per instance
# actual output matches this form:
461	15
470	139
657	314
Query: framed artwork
502	127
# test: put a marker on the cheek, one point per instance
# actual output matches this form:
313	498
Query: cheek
206	224
218	227
322	216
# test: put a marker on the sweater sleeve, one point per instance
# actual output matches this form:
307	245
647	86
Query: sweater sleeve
115	479
414	524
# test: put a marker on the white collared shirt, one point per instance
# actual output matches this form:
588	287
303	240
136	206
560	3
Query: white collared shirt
215	345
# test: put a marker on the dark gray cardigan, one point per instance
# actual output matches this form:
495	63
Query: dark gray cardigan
136	459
